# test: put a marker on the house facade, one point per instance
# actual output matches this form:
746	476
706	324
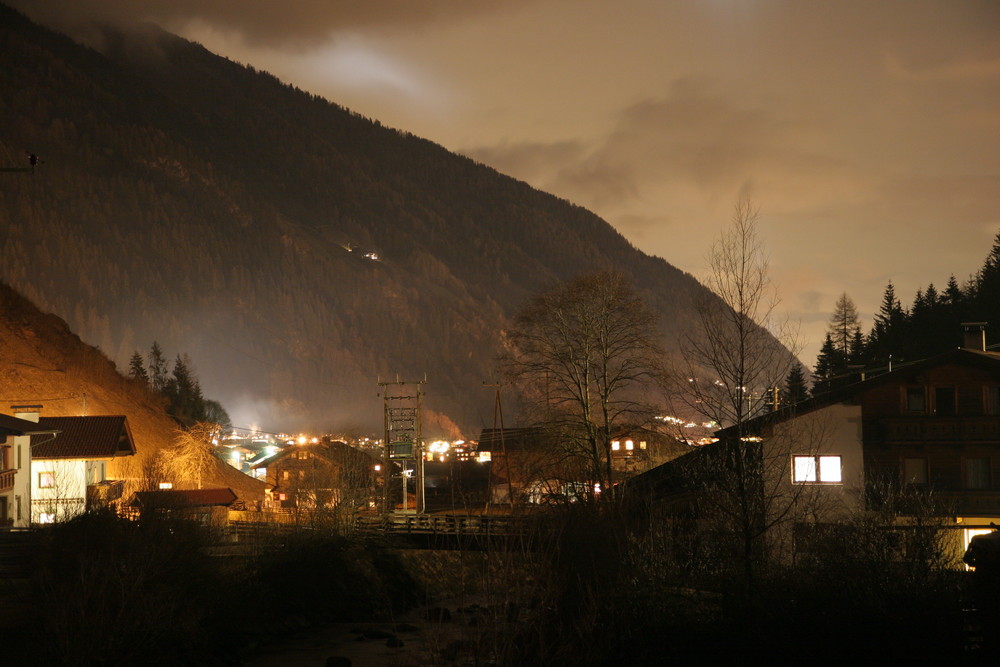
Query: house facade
15	469
928	431
69	471
319	475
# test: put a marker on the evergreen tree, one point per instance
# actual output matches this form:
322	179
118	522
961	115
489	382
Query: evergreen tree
858	343
157	368
185	401
795	385
829	363
954	301
137	368
887	335
986	299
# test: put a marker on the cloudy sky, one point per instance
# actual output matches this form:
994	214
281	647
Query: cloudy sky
867	131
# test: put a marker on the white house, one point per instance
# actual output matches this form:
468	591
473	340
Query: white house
69	471
15	469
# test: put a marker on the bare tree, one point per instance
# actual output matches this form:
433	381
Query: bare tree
733	360
843	326
585	352
192	457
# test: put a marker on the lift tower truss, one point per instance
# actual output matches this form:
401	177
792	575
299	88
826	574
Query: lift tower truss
404	442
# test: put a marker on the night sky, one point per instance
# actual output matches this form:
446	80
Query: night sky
867	132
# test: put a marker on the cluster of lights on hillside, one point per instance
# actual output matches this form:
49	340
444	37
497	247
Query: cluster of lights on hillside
457	450
683	423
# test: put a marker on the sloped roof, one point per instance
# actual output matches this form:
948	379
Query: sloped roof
99	437
14	426
960	356
177	498
336	452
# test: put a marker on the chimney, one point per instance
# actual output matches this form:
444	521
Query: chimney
29	413
975	336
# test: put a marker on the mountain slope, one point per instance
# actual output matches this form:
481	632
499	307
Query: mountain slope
194	201
43	362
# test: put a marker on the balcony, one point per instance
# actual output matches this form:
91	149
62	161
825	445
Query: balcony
970	502
7	479
958	430
102	493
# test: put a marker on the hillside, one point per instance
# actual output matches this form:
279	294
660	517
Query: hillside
295	250
43	362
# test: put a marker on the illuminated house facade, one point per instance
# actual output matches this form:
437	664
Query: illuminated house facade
69	471
929	426
15	469
319	475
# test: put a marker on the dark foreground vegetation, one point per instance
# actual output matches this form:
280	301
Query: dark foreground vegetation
591	587
108	590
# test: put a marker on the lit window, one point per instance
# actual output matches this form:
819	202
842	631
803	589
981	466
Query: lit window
166	485
977	473
47	517
615	445
914	399
816	470
642	444
46	480
629	445
915	471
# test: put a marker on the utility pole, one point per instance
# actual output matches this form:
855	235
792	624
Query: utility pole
404	440
498	421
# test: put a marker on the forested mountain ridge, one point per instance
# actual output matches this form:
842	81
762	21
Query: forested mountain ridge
191	200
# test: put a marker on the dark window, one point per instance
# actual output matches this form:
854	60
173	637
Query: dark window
944	401
914	399
977	473
993	400
915	471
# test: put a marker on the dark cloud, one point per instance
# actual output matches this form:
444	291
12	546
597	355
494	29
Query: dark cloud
270	23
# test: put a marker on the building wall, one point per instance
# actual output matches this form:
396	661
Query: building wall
831	431
938	442
19	505
66	498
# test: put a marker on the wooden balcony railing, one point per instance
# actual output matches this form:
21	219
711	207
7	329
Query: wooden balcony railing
939	429
7	479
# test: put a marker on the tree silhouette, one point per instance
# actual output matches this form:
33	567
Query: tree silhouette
586	351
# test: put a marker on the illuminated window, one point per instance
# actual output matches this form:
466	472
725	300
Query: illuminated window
46	480
977	473
915	471
166	485
816	470
914	401
47	517
615	445
642	444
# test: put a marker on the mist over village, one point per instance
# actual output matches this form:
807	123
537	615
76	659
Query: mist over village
549	333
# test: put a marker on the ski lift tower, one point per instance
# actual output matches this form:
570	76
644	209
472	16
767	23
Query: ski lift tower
404	441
